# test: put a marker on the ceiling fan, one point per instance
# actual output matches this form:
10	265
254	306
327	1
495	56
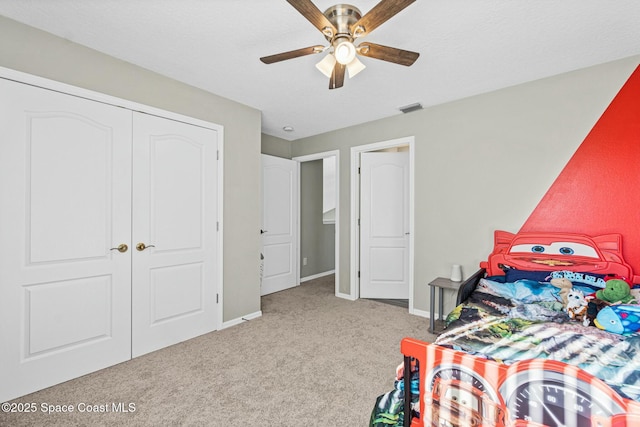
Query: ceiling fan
341	25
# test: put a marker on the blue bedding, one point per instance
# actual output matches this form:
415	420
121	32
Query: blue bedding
509	322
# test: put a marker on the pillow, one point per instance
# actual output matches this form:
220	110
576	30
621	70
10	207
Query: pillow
512	275
523	291
591	280
526	291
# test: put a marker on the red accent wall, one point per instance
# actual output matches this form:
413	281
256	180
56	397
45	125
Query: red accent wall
598	191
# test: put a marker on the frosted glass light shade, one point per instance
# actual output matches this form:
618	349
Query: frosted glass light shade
354	67
345	52
326	65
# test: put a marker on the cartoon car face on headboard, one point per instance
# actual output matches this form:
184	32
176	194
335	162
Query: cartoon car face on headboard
558	251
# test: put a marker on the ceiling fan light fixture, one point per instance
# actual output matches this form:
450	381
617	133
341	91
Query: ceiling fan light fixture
326	65
345	52
341	25
354	67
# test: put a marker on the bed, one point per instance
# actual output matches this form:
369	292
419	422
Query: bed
511	354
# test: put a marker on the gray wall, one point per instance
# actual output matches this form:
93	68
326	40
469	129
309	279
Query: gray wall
317	240
481	163
274	146
36	52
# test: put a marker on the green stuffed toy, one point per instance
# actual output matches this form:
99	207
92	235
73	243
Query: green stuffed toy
616	291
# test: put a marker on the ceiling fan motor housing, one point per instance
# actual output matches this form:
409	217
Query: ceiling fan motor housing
342	16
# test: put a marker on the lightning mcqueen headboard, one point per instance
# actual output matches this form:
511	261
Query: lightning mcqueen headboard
558	251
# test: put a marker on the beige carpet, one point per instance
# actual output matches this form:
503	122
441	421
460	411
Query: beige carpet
311	360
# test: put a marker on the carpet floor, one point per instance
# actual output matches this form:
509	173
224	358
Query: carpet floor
311	359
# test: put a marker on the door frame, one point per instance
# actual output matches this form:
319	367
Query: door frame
320	156
355	210
22	77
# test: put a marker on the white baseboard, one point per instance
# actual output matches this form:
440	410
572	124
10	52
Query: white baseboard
317	276
237	321
421	313
345	296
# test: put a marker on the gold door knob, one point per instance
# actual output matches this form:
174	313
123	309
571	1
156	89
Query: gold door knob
121	248
141	246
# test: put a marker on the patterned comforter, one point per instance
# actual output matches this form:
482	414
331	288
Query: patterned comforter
511	321
508	322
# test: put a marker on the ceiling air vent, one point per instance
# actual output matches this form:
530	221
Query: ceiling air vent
409	108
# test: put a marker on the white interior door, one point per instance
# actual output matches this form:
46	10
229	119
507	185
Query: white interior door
384	225
174	217
65	198
279	224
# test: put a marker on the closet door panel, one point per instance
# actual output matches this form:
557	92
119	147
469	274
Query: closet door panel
67	155
65	174
174	216
177	185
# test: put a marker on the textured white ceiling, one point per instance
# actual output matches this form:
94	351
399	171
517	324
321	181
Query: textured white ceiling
467	47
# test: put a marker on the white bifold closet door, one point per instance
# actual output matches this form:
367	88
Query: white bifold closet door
70	273
174	213
65	195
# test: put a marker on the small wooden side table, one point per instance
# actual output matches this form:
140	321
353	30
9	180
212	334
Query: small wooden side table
441	283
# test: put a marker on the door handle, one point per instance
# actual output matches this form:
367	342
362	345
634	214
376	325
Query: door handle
263	231
141	246
121	248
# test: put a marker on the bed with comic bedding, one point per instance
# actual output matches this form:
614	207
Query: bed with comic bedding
544	334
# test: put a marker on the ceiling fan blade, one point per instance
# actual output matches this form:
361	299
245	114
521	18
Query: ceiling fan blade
314	15
292	54
337	77
386	53
377	16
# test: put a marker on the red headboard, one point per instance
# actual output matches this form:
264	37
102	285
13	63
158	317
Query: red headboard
559	251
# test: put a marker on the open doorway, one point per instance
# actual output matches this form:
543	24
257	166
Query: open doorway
319	216
382	245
